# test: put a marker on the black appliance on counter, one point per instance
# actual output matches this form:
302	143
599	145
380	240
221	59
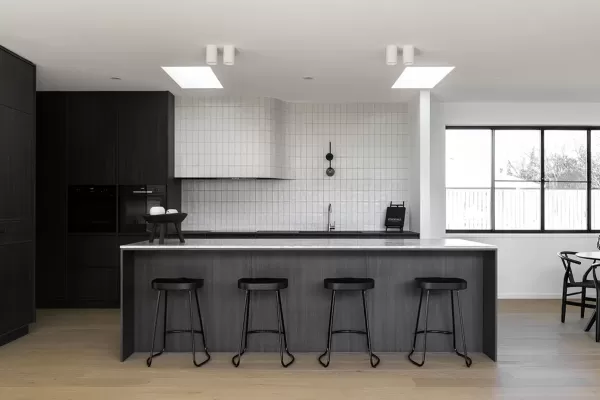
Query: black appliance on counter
92	209
394	216
135	202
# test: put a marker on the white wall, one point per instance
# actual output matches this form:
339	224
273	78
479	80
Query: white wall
438	170
528	266
522	113
370	144
414	208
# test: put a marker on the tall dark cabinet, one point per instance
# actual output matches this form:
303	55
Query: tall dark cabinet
17	188
92	138
96	138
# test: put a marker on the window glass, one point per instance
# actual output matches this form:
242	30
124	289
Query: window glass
595	154
468	179
517	179
565	173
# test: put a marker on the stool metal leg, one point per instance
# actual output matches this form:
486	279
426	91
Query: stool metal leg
373	359
192	327
583	296
453	323
468	361
235	360
329	333
152	355
424	331
281	329
597	323
201	331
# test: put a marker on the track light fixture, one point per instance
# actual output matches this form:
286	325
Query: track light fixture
391	54
211	54
228	54
408	54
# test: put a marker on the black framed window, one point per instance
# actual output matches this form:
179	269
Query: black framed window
522	179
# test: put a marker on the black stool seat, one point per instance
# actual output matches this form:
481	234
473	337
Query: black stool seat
177	284
441	283
349	283
262	283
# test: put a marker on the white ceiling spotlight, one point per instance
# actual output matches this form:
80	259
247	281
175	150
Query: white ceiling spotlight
391	54
418	77
228	54
211	54
408	54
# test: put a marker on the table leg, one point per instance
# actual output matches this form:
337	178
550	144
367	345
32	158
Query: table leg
163	228
592	320
178	229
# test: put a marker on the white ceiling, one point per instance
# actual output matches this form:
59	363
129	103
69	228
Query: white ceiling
503	50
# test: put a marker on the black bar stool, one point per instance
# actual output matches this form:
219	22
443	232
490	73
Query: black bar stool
190	286
263	284
354	284
452	285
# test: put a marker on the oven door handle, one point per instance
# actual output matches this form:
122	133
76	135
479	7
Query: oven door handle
142	192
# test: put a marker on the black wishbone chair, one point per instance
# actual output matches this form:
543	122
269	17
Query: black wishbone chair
570	282
594	318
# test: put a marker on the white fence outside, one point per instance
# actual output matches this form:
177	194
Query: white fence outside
519	209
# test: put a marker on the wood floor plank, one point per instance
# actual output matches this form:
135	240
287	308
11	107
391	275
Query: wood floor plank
74	354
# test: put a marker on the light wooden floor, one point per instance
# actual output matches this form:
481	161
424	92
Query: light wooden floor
73	354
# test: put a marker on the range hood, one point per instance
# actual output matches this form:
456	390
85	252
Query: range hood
230	138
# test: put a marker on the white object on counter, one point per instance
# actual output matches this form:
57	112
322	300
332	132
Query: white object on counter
157	210
172	211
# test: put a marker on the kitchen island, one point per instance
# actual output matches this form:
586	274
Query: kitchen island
392	263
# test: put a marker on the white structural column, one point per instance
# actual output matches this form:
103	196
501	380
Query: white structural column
425	164
427	206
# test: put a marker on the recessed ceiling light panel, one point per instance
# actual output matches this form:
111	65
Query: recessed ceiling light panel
421	77
194	77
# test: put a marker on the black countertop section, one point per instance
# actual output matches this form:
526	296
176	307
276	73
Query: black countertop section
303	234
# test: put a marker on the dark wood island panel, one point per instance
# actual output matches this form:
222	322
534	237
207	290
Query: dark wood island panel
392	304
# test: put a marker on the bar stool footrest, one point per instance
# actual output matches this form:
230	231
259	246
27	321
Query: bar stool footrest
349	331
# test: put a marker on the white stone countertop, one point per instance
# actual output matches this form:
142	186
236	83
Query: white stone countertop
311	244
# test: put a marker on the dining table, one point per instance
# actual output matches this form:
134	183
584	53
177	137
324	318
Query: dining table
594	256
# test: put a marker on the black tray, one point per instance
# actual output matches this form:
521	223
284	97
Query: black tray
161	222
176	218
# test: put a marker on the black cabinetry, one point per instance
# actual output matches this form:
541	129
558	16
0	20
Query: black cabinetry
143	140
51	197
92	123
16	175
95	138
93	271
16	279
17	82
17	188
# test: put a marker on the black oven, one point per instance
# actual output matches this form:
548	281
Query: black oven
135	201
92	209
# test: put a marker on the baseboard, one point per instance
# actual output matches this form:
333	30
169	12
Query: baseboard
529	296
14	335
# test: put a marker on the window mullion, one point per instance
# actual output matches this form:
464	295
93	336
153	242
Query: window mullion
493	184
542	183
589	179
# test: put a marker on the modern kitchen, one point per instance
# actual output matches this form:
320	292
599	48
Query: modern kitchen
251	214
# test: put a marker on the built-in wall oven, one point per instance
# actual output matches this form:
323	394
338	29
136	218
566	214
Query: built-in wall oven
135	201
92	209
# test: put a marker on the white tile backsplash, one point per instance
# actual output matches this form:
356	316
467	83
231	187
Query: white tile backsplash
369	141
